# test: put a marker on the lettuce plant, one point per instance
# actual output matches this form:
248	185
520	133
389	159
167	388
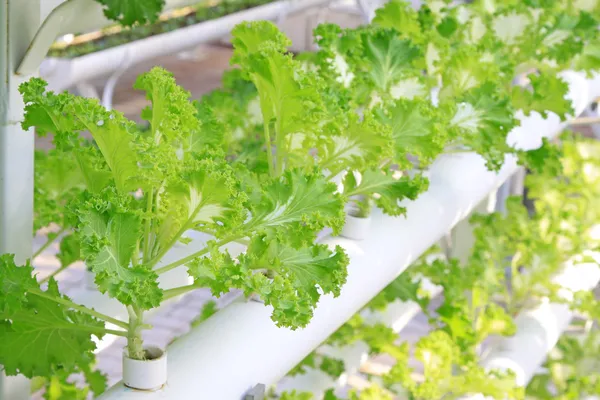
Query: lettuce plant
140	191
510	268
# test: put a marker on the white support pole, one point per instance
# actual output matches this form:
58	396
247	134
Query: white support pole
19	21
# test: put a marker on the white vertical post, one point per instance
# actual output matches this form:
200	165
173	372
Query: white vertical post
19	21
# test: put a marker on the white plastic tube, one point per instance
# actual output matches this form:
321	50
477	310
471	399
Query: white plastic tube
63	73
539	329
240	346
397	315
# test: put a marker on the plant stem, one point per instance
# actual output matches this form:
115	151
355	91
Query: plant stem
168	247
147	226
135	345
178	291
279	145
269	148
80	308
47	244
202	252
53	274
116	333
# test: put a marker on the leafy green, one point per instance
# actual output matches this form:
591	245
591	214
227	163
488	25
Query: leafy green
387	190
48	335
482	121
547	94
130	12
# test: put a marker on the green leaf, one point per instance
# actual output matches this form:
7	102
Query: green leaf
387	190
543	160
297	203
203	197
37	334
172	116
69	250
250	37
494	321
387	59
294	395
332	366
130	12
483	120
209	309
298	277
416	129
109	240
16	281
289	101
359	144
288	279
404	288
400	15
547	94
66	115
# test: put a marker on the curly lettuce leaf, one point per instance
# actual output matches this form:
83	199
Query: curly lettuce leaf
295	278
131	12
172	116
416	130
58	180
289	100
110	235
544	160
290	280
401	16
482	121
49	336
546	94
66	115
387	190
297	203
358	144
387	59
203	197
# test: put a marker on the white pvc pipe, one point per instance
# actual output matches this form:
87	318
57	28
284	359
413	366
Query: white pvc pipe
397	315
91	16
63	73
539	329
240	346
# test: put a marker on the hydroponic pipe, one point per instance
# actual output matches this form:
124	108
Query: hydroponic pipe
539	329
91	15
397	315
64	73
240	346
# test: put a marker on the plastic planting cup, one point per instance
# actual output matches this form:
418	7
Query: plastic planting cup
149	374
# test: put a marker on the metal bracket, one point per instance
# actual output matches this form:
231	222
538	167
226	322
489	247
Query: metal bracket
60	21
256	393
